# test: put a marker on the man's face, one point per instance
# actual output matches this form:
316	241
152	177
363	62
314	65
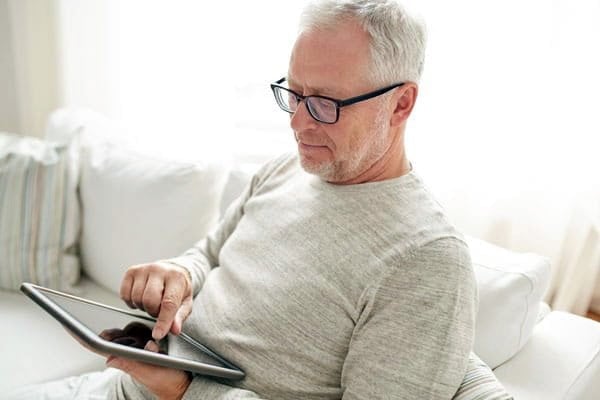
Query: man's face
334	63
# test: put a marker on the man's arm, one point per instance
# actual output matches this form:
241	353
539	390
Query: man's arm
165	288
204	255
415	332
171	384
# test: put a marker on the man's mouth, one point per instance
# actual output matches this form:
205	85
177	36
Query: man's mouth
311	144
307	146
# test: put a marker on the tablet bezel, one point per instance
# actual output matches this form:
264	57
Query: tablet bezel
96	343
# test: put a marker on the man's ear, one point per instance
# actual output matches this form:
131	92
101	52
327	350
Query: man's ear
403	102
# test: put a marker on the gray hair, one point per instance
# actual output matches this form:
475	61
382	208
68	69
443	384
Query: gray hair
397	39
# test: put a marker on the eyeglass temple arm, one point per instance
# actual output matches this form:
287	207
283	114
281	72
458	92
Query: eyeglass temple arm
367	96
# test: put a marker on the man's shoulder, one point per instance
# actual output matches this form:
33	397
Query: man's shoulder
431	273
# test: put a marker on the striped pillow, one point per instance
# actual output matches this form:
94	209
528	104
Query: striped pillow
38	213
480	383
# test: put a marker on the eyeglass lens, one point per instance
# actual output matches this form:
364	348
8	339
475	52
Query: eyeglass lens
321	109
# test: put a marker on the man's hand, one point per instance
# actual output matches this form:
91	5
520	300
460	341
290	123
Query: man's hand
134	334
165	383
163	290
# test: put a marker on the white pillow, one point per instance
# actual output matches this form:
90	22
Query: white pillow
39	213
139	208
237	180
511	286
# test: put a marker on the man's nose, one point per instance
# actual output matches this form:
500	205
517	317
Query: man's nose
301	119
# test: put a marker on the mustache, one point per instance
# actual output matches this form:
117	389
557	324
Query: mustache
313	139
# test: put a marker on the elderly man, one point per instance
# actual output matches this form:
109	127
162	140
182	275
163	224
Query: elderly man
335	275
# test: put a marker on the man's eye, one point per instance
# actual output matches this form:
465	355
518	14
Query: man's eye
292	100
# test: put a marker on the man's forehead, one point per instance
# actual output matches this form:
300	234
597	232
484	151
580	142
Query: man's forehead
323	69
329	87
344	44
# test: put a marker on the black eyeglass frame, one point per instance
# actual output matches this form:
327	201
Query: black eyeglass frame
339	103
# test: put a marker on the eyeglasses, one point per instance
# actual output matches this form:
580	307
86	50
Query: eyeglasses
321	108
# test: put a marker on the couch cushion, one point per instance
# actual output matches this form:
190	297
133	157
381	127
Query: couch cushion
561	361
511	286
139	208
34	346
39	212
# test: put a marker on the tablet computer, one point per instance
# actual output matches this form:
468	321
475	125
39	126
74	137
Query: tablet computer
109	330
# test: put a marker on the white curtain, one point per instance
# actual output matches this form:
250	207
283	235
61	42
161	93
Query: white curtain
505	130
29	70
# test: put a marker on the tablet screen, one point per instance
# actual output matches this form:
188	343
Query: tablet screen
129	328
109	324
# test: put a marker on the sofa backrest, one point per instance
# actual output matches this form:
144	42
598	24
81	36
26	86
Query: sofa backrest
136	206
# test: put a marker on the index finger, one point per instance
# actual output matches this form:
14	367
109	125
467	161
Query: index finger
125	290
170	303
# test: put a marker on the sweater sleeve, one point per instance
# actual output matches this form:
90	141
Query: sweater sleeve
204	255
416	327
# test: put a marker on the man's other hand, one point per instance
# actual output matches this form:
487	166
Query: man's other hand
165	383
161	289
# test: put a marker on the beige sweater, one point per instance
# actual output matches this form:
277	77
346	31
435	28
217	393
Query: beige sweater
321	291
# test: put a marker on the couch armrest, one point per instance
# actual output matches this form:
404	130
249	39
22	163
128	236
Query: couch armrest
543	312
561	360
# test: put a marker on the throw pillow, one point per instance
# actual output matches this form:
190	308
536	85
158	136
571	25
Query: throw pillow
480	383
511	286
39	214
139	208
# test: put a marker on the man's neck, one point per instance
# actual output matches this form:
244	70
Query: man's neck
378	173
392	164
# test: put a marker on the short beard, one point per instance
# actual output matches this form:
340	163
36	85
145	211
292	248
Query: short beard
340	171
324	170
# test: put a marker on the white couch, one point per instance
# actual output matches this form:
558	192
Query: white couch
126	218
